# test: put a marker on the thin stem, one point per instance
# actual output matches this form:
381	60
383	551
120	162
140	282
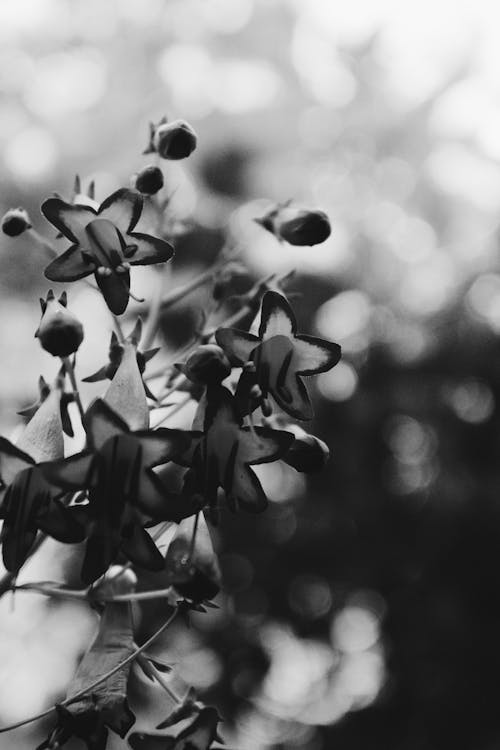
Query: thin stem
68	365
45	244
154	317
101	679
190	286
193	536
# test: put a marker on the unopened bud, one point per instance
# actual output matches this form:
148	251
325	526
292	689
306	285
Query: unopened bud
297	226
149	180
15	222
308	454
207	365
175	140
60	332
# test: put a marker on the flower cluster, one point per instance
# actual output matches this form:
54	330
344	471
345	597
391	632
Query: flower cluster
129	480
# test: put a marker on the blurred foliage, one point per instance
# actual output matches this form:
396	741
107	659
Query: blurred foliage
360	609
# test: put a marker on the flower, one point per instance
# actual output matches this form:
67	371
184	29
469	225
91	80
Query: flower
89	716
125	494
207	365
116	350
221	456
149	180
298	226
104	244
15	221
60	333
171	140
29	503
194	572
278	357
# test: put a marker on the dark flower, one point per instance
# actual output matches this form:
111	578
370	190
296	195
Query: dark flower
194	572
29	503
60	333
106	705
171	140
149	180
298	226
116	350
104	244
278	356
125	494
221	456
15	221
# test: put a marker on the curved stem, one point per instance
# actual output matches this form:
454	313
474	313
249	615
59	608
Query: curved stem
101	679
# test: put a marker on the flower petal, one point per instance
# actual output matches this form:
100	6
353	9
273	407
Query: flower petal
70	266
115	290
162	445
62	524
102	423
294	398
142	551
150	250
100	551
123	208
264	446
314	355
73	473
246	491
69	219
238	345
277	316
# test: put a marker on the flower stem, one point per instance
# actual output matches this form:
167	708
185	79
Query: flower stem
68	365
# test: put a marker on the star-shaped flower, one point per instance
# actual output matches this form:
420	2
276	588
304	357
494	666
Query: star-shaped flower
28	503
221	456
280	357
125	494
104	244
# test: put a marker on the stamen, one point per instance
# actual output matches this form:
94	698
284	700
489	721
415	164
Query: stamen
130	250
103	271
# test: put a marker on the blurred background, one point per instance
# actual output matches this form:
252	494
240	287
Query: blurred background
362	610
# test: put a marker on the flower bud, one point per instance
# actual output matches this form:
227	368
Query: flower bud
297	226
308	454
149	180
15	222
60	332
207	365
174	140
